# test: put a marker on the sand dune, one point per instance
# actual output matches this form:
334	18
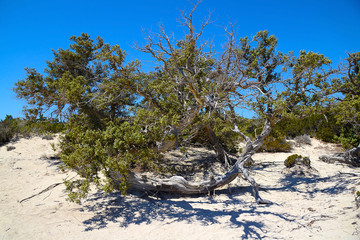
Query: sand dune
319	206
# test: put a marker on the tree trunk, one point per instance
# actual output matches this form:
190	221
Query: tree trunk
178	184
221	154
351	157
184	123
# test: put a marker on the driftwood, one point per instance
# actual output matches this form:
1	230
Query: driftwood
351	157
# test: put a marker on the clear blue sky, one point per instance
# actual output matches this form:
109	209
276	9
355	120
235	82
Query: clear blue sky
30	29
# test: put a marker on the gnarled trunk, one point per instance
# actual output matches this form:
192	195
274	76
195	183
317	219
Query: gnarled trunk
178	184
351	157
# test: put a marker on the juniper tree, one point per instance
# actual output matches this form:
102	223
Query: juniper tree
347	109
120	118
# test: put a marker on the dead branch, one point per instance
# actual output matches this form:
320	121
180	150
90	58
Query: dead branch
351	157
41	192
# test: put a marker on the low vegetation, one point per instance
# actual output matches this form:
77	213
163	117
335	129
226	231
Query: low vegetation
296	159
11	128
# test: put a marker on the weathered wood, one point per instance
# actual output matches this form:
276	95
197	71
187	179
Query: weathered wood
351	157
178	184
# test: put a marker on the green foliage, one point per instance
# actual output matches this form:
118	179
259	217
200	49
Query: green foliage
12	127
290	161
357	199
294	159
121	119
40	126
275	143
322	124
348	109
348	137
108	152
82	79
222	129
8	129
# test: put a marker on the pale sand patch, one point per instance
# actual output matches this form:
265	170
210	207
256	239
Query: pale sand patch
307	207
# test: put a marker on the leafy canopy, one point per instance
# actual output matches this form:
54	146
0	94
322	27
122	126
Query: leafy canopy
121	119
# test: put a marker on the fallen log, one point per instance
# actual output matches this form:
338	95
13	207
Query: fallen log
351	157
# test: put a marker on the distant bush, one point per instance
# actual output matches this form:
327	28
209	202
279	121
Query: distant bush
41	126
275	142
10	148
48	137
322	125
12	127
8	129
278	144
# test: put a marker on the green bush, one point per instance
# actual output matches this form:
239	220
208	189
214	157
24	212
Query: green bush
11	127
294	159
275	142
348	137
278	144
322	125
41	126
8	129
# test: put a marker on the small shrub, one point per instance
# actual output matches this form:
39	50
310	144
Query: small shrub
8	129
290	161
272	144
11	127
295	159
53	147
357	199
10	148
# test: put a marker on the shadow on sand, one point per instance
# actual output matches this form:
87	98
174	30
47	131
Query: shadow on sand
335	184
113	208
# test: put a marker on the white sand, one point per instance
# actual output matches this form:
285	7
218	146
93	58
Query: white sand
320	207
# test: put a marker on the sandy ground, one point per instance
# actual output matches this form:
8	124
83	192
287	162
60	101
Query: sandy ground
304	207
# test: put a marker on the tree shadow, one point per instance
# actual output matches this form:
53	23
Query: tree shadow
114	208
336	184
